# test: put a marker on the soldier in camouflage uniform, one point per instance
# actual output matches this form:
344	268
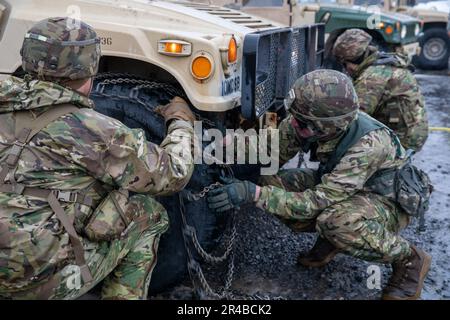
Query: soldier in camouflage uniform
386	88
349	217
67	220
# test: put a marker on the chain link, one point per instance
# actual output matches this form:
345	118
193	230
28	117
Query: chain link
195	270
140	85
189	233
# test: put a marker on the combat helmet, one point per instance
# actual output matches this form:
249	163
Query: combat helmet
61	48
324	101
351	45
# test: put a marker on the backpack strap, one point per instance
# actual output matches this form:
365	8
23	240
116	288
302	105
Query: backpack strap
26	128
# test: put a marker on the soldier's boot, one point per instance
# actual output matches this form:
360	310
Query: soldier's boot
408	275
321	253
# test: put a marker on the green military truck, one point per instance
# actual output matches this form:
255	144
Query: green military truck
233	68
435	40
390	31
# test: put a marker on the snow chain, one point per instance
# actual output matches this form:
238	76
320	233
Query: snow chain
105	79
190	236
189	233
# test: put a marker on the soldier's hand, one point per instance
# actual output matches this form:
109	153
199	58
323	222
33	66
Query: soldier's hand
231	195
177	108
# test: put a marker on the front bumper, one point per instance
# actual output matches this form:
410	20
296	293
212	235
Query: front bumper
410	49
273	60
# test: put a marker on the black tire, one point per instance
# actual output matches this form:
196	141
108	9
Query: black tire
435	45
113	100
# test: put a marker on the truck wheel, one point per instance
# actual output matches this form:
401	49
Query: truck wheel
132	102
435	50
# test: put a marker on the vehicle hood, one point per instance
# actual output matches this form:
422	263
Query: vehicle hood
172	15
442	6
186	16
390	17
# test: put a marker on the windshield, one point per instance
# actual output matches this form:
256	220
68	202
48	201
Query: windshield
369	2
263	3
321	1
394	3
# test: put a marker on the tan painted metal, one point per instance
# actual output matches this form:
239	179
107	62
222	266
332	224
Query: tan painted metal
132	28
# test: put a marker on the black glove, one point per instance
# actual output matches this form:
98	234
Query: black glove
232	195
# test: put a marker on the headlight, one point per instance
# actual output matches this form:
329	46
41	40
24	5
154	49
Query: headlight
202	66
417	30
403	33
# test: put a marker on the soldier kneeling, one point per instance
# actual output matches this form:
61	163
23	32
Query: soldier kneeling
67	220
386	87
363	193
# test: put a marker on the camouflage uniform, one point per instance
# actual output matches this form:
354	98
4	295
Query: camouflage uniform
358	222
73	153
355	220
361	195
290	144
387	90
391	94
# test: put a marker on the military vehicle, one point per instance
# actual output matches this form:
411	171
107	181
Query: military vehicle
390	31
435	40
234	69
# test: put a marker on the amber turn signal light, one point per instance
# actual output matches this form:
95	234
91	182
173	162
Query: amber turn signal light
232	50
201	67
389	30
174	48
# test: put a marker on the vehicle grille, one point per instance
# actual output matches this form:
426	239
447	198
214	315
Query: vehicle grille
231	15
410	31
273	60
265	90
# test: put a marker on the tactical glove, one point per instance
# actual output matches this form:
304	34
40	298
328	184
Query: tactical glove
177	108
231	195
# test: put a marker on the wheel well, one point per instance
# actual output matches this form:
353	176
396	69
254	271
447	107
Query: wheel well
377	37
137	68
430	25
130	66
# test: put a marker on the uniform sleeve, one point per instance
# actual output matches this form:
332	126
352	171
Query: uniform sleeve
370	88
141	166
348	177
122	157
289	142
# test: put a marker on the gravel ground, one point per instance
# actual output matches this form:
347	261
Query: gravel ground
266	252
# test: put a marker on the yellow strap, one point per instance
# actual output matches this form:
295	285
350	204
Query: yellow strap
440	129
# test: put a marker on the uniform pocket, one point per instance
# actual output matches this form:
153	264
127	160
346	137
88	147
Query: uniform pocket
109	220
